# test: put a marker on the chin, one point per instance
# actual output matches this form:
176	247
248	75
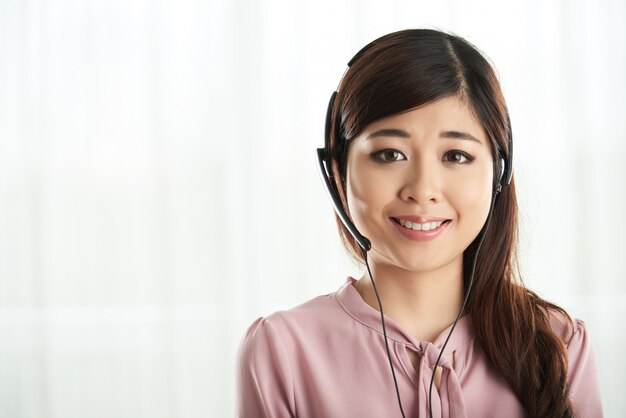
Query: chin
423	267
417	265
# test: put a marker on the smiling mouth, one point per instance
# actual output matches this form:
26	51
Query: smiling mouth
427	226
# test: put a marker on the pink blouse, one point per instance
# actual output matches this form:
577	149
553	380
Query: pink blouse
326	358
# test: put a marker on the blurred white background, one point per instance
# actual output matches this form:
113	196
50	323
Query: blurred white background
158	188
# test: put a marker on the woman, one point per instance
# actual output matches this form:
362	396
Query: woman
419	161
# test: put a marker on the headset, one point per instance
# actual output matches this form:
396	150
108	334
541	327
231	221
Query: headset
324	157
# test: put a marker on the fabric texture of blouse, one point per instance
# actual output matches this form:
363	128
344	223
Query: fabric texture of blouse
327	358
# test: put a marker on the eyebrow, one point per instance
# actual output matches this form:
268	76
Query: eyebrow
459	135
404	134
389	132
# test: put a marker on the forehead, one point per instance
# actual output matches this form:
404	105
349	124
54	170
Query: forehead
446	115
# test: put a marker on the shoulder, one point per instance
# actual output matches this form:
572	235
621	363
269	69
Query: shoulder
304	321
563	325
324	308
582	374
272	351
572	331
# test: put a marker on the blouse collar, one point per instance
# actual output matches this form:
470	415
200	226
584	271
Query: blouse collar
354	305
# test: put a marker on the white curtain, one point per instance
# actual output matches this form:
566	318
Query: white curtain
158	188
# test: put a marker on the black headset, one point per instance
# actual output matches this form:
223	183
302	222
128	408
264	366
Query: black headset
505	169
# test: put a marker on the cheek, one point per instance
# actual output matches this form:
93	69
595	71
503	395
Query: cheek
366	192
472	194
359	193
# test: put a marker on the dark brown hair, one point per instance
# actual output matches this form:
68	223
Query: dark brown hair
410	68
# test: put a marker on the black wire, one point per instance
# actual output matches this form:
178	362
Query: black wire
467	292
465	299
382	320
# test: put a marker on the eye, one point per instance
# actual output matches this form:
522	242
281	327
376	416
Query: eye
458	157
389	155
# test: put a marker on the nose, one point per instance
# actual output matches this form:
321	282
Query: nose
422	183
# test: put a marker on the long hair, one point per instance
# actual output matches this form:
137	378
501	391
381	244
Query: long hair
410	68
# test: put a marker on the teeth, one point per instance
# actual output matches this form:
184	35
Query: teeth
420	227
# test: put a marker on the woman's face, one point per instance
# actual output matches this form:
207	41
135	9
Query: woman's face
430	164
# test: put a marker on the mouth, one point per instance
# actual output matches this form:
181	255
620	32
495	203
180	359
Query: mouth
416	226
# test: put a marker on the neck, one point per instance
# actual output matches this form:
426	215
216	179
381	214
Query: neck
422	303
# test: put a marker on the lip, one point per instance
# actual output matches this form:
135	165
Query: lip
420	219
421	235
